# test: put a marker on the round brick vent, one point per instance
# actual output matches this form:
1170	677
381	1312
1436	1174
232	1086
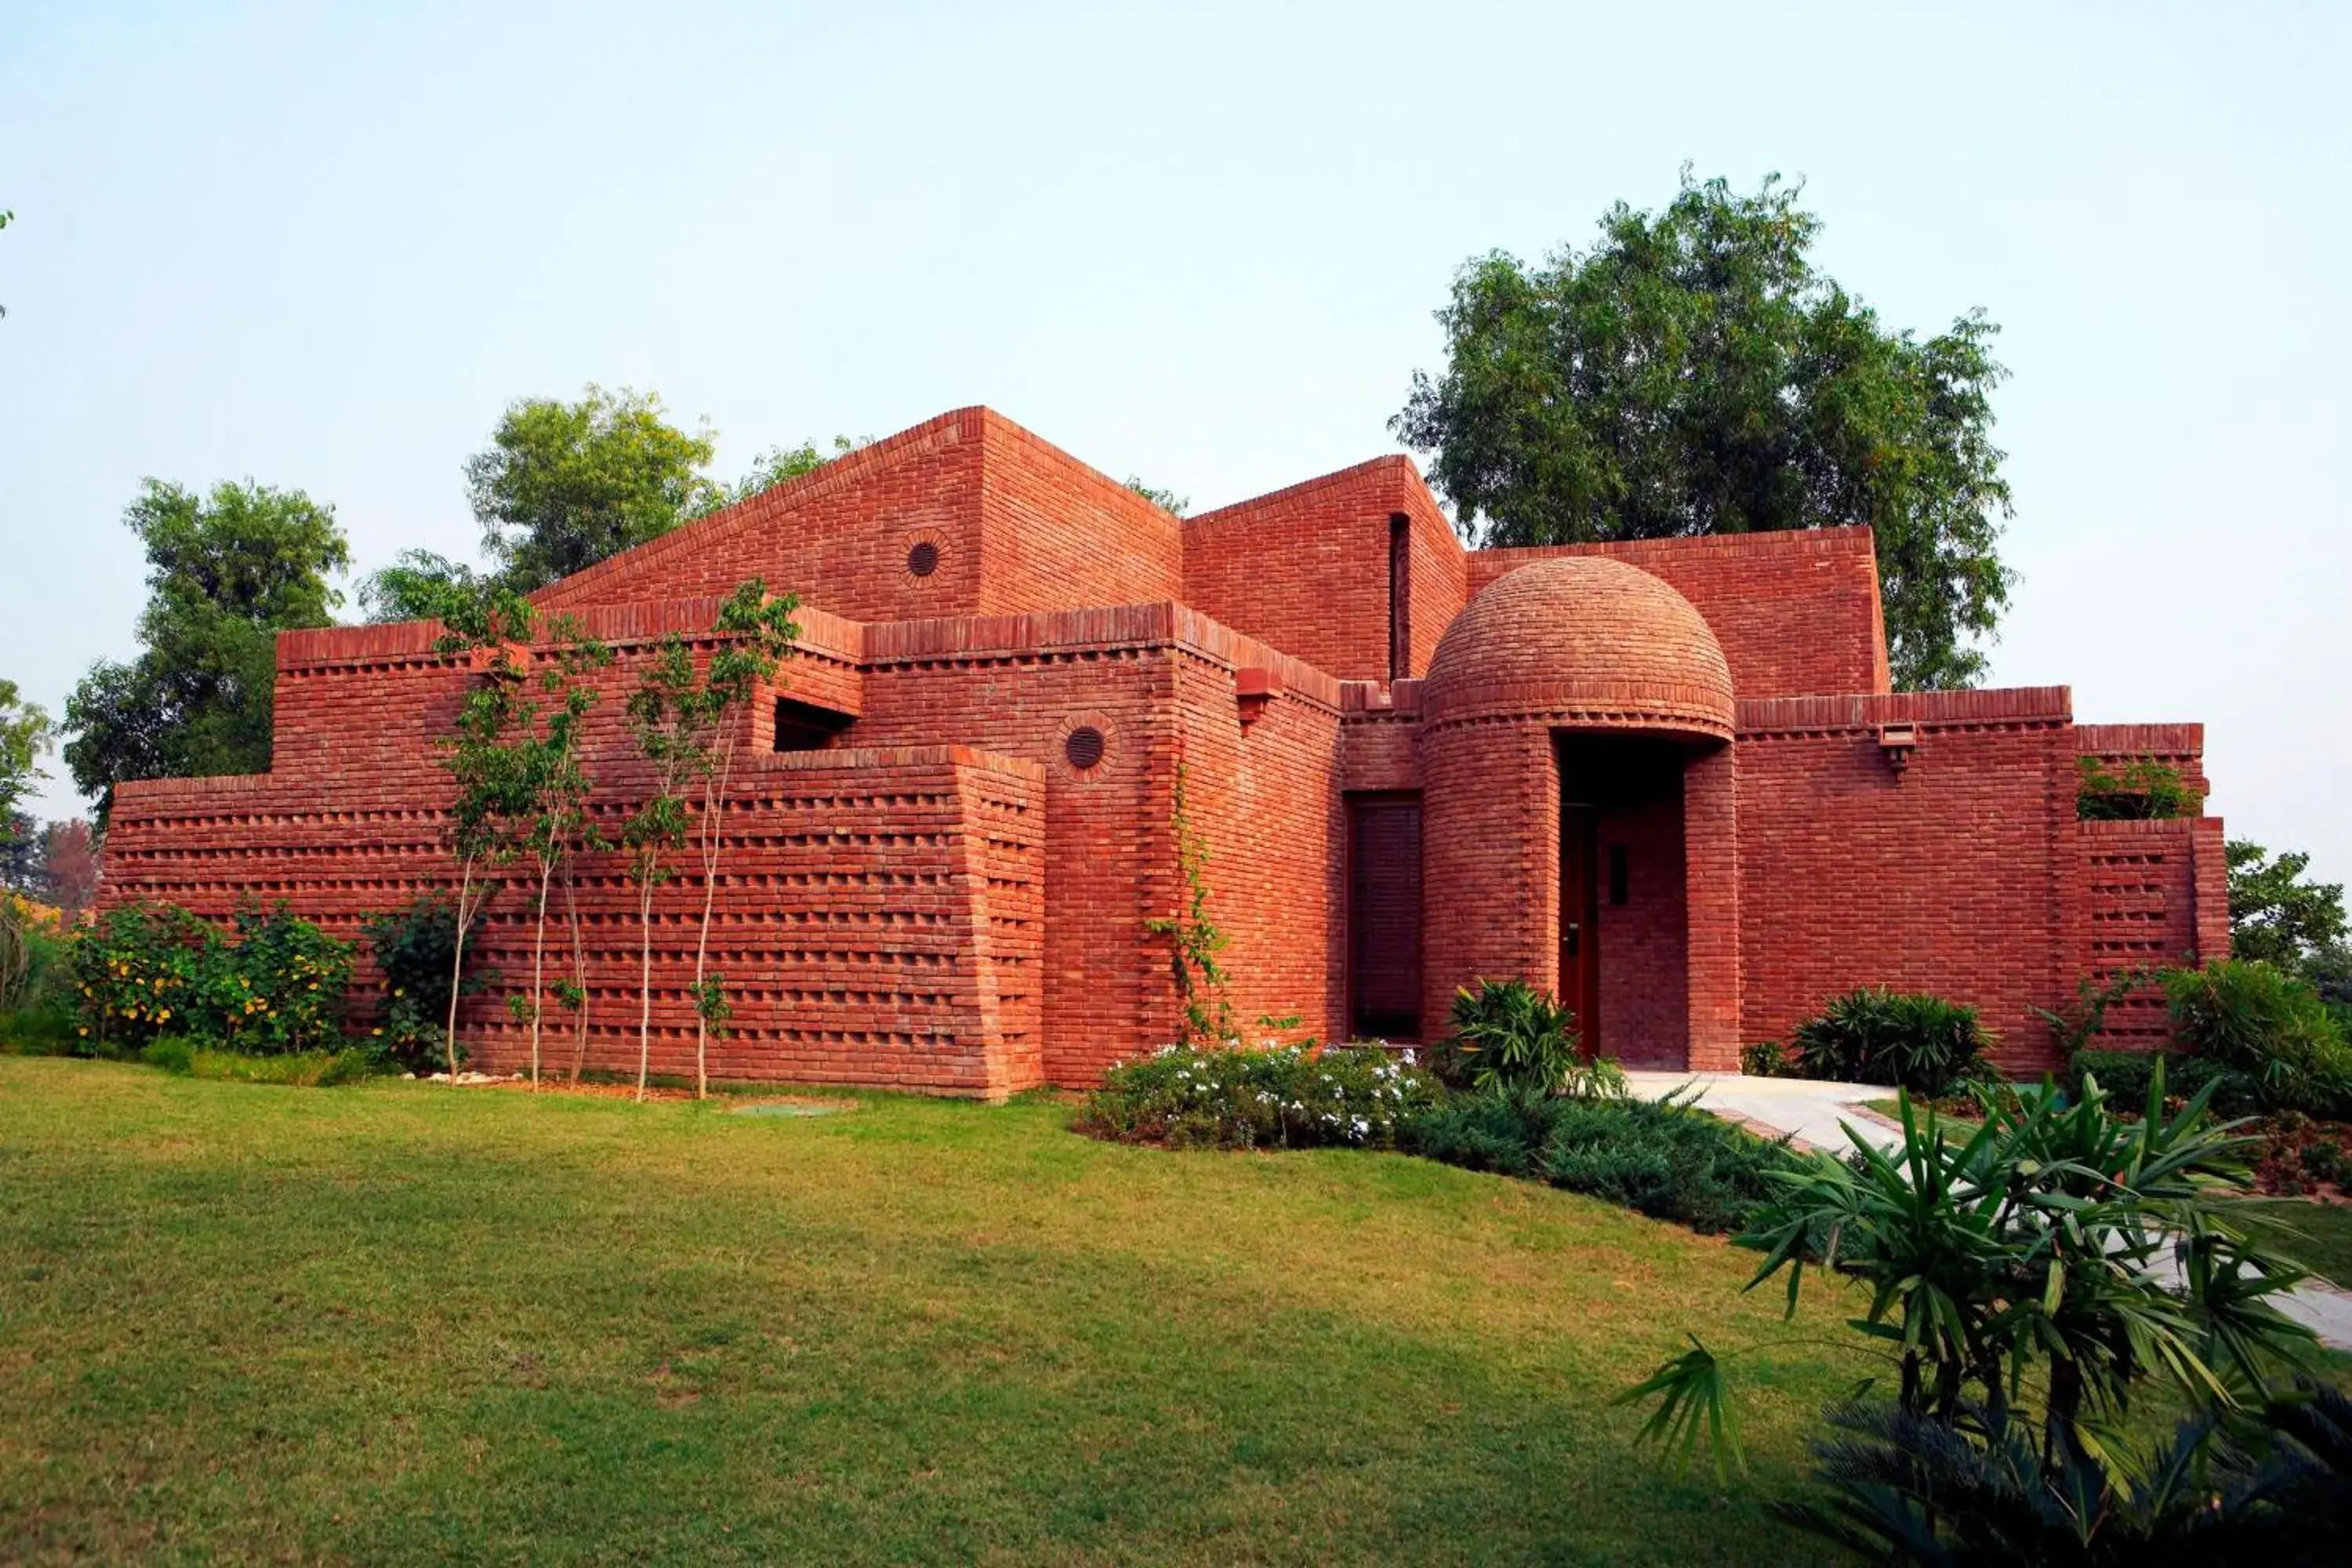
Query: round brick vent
923	559
1084	747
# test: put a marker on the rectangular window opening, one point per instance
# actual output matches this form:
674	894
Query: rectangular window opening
804	727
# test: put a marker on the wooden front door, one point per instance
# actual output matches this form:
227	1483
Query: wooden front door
1579	920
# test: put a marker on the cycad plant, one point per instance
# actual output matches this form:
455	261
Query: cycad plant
2272	1486
1508	1035
2047	1271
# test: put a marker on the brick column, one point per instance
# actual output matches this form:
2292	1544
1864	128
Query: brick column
1711	869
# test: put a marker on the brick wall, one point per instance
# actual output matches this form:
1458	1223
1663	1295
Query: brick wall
1949	877
2152	894
1262	795
877	918
1797	613
1015	525
1055	534
1490	861
840	536
1308	568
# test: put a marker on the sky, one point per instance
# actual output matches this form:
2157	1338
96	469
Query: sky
325	247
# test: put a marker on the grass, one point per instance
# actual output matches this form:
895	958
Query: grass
395	1322
2317	1235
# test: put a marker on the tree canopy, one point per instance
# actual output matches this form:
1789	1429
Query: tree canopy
226	573
1695	373
25	734
563	485
774	467
2275	914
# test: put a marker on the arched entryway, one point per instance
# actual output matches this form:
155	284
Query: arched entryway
1578	809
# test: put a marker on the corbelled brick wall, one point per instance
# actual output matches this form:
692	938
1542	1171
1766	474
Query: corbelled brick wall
2152	895
879	917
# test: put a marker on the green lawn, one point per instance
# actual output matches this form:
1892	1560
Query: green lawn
2317	1235
396	1324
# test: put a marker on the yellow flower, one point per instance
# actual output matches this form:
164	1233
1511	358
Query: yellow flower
164	1016
83	1030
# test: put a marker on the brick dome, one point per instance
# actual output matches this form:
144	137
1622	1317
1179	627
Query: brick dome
1581	641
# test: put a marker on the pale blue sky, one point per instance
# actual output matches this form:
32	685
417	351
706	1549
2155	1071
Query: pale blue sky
323	247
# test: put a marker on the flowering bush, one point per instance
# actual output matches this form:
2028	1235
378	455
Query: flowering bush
139	970
276	986
1288	1097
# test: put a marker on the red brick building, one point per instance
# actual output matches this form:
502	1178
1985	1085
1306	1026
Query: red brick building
1668	780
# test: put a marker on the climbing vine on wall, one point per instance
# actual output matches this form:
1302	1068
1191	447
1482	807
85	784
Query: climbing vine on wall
1206	1018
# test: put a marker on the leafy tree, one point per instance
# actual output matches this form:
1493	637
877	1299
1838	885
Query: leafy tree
554	788
69	866
489	758
2142	791
25	736
417	586
683	718
20	854
564	485
226	573
1695	373
2276	914
772	468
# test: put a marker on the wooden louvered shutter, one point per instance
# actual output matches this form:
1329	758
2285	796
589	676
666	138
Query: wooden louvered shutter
1384	917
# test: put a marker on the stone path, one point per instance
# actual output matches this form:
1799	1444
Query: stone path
1817	1114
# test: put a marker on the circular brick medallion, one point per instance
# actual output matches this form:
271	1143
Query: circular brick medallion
923	559
1085	748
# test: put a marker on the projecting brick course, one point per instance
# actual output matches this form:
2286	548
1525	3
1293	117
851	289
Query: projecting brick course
940	891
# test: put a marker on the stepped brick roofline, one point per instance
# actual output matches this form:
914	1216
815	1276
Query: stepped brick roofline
976	423
1395	473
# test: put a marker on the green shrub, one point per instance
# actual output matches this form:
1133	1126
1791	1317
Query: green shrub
139	967
284	988
2258	1021
1291	1096
1665	1159
302	1070
2145	790
415	947
2125	1076
170	1052
1766	1058
1507	1035
1909	1039
275	984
